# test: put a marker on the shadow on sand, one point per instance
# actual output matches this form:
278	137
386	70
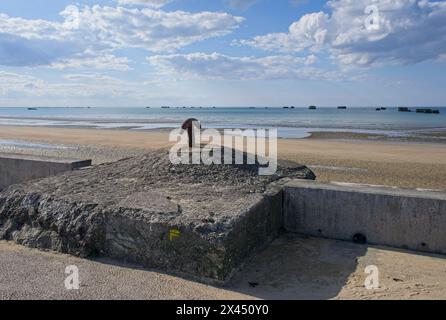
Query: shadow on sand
299	267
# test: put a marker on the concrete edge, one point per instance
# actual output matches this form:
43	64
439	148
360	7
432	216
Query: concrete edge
364	188
36	158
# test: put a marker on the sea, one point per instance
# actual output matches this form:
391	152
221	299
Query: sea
297	122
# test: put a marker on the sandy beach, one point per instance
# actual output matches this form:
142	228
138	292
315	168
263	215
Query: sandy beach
231	149
334	157
293	267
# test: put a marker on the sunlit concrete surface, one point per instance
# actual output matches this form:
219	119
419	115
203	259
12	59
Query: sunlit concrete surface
17	168
408	219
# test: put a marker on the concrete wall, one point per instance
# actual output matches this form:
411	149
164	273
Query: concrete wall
16	168
399	218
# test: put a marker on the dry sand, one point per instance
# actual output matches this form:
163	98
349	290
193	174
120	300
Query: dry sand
293	267
391	163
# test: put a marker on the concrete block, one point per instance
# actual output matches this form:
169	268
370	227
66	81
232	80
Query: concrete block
406	219
199	221
16	168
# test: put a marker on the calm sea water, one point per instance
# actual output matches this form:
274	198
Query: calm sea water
291	123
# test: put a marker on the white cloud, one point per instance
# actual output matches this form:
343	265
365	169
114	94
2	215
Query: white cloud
101	62
100	28
154	30
16	82
410	31
71	86
149	3
309	32
218	66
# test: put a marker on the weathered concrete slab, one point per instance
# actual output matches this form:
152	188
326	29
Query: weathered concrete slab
201	221
385	216
17	168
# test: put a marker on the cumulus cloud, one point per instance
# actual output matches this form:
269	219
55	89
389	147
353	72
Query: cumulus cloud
310	32
219	66
149	3
408	32
101	28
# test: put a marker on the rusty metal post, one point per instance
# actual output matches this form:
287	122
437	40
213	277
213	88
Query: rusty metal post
189	126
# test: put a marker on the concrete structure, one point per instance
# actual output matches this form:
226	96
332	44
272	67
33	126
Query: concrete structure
16	168
204	221
196	220
406	219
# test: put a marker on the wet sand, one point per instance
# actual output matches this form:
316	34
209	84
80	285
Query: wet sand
391	163
420	137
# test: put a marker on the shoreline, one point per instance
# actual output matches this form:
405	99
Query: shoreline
405	164
435	133
433	137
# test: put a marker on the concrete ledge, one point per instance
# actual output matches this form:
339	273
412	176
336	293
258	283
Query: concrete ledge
17	168
406	219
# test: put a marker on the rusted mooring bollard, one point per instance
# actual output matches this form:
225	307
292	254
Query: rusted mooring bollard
189	126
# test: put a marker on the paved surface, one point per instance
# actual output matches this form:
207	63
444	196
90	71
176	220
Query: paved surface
293	267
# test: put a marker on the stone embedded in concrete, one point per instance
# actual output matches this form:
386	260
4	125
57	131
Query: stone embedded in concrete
17	168
385	216
197	220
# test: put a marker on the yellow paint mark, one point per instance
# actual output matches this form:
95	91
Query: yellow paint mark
174	234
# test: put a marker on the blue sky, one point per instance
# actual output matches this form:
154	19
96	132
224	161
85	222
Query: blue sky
222	52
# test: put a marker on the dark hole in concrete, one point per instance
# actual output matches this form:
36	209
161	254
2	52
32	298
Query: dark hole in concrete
359	238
